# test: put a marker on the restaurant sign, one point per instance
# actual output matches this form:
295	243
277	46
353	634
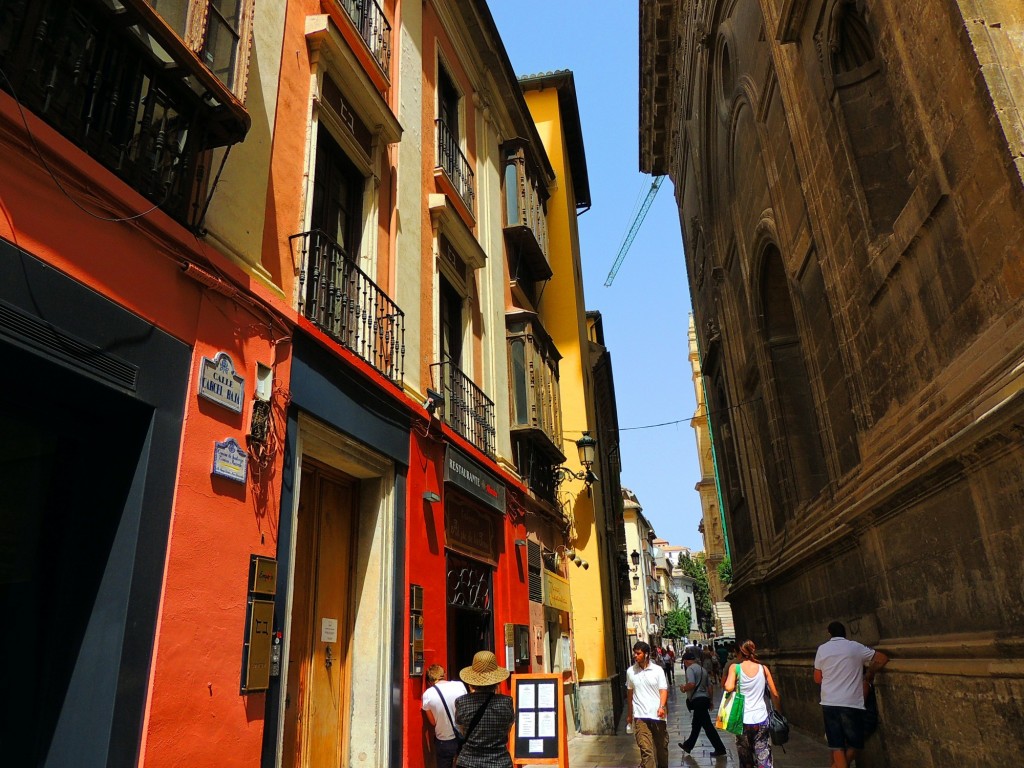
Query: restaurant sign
464	473
556	591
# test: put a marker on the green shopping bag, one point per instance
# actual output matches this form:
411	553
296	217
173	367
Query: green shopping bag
730	712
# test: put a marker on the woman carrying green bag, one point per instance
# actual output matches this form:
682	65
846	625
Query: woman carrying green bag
753	745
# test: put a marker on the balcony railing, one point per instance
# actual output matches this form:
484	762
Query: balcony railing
102	81
374	28
454	163
536	467
348	306
526	209
467	409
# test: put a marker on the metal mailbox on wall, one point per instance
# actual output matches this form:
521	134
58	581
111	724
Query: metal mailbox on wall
259	625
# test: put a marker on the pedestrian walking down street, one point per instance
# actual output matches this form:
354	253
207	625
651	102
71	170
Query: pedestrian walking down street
839	670
698	689
647	707
668	656
753	746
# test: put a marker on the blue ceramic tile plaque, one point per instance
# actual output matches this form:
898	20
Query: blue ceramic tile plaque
219	383
230	460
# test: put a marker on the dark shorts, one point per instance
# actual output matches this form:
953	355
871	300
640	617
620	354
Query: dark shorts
844	727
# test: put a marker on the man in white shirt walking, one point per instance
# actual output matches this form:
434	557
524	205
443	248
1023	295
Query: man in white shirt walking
646	707
839	670
438	705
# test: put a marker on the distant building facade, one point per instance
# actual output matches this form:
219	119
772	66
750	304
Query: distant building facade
850	182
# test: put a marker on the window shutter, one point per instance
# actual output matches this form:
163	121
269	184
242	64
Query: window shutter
534	568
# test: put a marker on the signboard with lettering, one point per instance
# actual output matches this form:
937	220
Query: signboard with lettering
463	472
219	383
230	460
556	591
470	531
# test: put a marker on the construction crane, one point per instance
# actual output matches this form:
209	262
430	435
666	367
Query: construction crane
628	240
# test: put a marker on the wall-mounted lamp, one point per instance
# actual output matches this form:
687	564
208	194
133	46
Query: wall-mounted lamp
576	559
431	496
634	557
587	447
434	401
521	542
636	580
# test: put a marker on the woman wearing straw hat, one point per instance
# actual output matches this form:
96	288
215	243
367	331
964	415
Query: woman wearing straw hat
484	716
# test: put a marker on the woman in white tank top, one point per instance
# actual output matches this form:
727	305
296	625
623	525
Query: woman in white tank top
754	746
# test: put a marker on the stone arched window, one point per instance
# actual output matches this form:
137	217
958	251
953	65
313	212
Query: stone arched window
865	101
799	438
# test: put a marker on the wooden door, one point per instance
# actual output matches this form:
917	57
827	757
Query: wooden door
316	728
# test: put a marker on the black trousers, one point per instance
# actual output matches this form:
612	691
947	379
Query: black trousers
702	719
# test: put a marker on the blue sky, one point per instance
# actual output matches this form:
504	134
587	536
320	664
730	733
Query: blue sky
646	308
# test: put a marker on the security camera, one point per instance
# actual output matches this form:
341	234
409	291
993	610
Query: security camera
433	401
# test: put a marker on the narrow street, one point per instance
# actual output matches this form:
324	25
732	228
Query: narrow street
620	751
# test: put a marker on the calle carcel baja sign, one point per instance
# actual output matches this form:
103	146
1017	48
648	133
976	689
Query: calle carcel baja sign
219	383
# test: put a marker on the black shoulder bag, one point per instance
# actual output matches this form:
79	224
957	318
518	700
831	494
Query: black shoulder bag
473	723
689	698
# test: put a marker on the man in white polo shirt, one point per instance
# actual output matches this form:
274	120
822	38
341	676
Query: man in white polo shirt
646	702
839	670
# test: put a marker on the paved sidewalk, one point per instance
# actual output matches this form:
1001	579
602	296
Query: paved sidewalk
620	750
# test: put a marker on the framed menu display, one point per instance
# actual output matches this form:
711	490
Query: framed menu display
539	736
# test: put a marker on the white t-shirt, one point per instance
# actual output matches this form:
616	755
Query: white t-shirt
842	662
451	690
646	685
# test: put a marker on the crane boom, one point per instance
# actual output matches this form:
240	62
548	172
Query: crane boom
628	239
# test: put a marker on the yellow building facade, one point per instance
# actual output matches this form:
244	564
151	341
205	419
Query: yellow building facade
551	99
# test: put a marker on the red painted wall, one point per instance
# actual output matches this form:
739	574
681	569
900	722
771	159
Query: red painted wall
425	566
195	715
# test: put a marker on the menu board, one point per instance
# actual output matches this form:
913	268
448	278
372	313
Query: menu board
539	734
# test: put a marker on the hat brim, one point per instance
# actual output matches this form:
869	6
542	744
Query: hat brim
471	677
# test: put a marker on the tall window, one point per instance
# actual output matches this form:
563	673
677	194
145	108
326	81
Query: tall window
337	195
872	123
448	102
450	312
801	438
211	28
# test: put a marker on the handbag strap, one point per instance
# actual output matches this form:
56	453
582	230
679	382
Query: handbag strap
478	715
697	685
447	712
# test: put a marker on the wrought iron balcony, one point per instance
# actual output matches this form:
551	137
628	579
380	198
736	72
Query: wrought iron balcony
348	306
536	466
374	28
526	227
451	160
107	81
467	409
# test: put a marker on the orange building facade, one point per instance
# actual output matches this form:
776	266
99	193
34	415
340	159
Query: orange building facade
285	424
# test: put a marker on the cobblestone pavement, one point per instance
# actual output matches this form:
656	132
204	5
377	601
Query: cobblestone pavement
620	750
